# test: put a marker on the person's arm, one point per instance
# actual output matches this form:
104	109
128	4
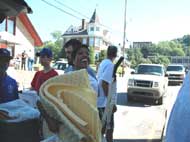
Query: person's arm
53	124
105	86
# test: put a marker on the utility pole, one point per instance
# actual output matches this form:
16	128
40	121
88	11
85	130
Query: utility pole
124	36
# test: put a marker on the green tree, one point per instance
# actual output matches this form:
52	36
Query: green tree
160	60
177	52
187	50
163	48
102	55
55	45
92	56
134	56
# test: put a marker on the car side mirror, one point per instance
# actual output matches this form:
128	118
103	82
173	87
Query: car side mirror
186	70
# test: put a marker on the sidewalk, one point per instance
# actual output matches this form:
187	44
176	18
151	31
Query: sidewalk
23	77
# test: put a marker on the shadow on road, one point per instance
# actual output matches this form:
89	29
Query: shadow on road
122	100
138	140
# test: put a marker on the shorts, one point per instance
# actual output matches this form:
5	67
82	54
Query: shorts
101	113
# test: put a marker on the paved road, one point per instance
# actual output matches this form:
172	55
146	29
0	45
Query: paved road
141	121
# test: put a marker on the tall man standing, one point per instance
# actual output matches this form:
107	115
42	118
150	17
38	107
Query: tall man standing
105	77
23	60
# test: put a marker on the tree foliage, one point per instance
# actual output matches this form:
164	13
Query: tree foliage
55	45
156	53
92	59
161	52
102	55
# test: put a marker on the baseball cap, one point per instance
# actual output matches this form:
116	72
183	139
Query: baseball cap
45	52
4	53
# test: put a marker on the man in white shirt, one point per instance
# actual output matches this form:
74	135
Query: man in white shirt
105	77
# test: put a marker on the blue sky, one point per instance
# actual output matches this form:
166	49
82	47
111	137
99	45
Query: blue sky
147	20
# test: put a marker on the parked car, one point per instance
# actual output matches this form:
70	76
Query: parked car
149	82
60	66
176	73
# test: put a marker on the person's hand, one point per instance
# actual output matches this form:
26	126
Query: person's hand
4	115
53	124
103	129
114	109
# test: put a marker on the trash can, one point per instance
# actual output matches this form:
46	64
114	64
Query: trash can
25	131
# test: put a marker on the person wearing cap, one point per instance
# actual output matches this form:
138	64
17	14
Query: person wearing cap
41	76
8	85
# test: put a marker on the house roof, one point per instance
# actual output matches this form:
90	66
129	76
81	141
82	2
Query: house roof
80	31
84	32
13	8
27	23
94	18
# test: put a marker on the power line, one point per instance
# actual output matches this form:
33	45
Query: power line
61	9
79	13
71	9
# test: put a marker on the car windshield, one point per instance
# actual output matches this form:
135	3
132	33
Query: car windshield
150	69
174	68
60	66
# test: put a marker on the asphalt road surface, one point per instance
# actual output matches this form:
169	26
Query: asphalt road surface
141	121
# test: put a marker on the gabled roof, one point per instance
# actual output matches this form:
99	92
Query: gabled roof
94	18
27	23
79	30
84	32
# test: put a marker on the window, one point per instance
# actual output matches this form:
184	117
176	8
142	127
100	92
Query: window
97	41
91	41
2	26
97	28
91	28
10	26
84	41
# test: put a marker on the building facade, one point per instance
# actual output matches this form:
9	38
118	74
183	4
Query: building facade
142	44
91	33
17	34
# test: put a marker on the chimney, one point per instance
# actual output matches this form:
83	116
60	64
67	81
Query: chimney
83	24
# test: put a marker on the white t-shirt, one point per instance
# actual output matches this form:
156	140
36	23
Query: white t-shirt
105	72
93	83
178	125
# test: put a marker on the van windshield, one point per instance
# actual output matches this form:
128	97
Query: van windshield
174	68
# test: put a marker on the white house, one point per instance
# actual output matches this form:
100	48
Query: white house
17	34
92	33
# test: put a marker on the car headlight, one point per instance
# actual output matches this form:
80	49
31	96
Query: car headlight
130	82
182	76
156	84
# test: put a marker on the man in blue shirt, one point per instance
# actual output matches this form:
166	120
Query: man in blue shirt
8	85
69	47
